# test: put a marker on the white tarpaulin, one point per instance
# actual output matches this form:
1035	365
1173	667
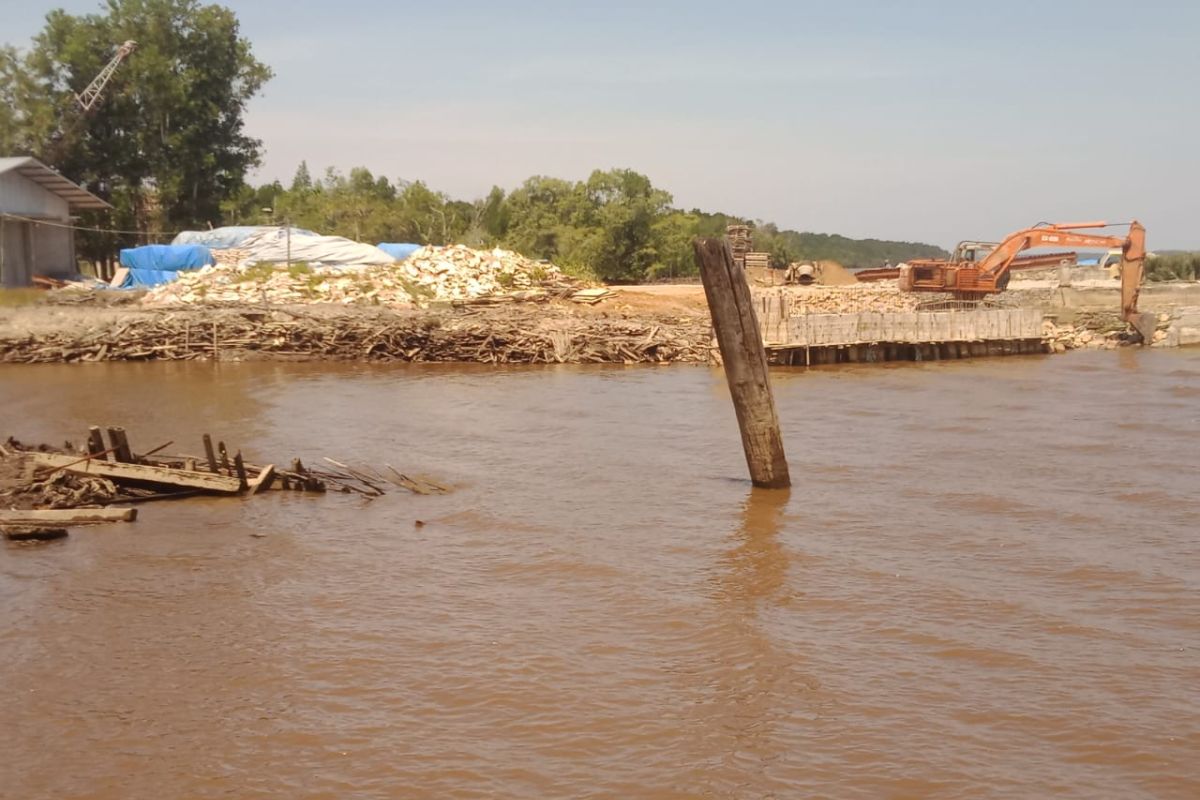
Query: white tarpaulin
271	245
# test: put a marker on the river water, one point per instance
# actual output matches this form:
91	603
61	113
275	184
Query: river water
984	583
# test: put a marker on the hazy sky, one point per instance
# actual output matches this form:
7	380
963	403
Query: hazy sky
933	121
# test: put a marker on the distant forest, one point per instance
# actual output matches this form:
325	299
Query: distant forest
616	225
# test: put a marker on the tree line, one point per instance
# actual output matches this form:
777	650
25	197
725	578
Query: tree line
167	148
615	225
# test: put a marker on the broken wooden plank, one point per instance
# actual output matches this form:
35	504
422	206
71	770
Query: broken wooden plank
264	479
142	473
66	516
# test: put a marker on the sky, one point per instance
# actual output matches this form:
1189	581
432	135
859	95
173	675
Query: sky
923	121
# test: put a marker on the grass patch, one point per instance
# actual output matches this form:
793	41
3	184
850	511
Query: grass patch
256	273
580	272
417	291
13	298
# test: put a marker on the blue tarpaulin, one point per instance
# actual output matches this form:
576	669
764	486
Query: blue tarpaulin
138	278
398	251
166	257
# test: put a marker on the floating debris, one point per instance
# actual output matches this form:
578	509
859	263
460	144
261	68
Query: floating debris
45	487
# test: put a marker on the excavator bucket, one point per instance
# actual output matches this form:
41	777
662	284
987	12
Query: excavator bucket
1133	261
1131	285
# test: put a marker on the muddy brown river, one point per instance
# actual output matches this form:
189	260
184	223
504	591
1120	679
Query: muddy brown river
984	584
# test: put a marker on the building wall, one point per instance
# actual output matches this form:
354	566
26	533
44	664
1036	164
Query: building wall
22	196
30	249
14	263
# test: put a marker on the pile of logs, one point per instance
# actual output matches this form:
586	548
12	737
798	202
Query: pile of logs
464	337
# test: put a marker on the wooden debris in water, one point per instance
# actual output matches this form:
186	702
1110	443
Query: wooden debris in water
33	533
66	516
68	480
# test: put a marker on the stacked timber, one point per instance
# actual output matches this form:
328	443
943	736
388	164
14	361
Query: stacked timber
759	261
738	237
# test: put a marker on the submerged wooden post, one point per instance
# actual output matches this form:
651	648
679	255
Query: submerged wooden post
120	445
96	443
745	361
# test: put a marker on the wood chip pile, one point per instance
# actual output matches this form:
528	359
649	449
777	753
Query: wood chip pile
455	273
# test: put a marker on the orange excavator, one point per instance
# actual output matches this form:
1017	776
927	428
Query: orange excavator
972	280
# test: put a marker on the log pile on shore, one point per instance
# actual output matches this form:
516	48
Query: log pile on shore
507	336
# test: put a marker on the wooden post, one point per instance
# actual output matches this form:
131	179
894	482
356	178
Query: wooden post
239	469
745	362
96	442
209	454
120	445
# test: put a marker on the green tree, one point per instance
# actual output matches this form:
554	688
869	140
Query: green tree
538	213
166	144
620	207
302	180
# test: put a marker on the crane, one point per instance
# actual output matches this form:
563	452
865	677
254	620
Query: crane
971	280
86	100
91	95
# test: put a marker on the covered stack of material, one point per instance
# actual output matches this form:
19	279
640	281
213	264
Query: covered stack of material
155	264
274	246
739	242
245	245
230	237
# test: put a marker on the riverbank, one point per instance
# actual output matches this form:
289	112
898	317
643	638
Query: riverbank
514	333
642	324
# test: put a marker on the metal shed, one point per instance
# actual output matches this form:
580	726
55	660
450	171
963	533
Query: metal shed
36	204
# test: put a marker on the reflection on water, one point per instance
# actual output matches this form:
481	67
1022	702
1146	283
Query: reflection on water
984	583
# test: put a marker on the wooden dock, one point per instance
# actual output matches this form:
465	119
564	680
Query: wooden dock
806	339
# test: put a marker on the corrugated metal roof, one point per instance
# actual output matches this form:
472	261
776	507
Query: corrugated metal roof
78	198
